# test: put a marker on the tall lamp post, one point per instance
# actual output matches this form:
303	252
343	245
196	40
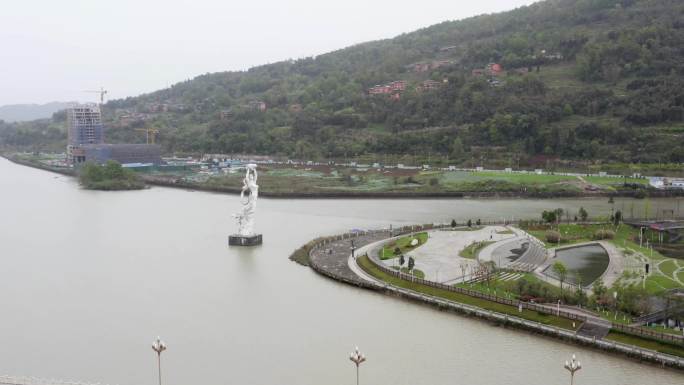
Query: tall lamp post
159	346
357	358
572	367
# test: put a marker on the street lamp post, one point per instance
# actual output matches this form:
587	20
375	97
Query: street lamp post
357	358
572	367
159	346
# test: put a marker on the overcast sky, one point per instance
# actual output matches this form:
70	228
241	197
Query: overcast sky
53	50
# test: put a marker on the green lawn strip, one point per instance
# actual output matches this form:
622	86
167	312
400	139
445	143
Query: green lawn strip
668	267
416	272
603	180
530	315
680	275
664	330
502	232
646	343
473	250
664	282
625	236
404	244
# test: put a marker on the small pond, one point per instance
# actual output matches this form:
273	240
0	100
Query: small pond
584	263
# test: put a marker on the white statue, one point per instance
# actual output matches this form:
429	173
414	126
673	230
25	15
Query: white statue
245	219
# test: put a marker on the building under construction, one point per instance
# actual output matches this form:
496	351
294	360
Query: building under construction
84	127
85	141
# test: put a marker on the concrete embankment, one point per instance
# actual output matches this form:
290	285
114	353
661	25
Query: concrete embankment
330	257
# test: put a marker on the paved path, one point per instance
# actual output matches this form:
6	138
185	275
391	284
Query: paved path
439	257
332	258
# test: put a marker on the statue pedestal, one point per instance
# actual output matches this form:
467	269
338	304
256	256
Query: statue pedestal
242	240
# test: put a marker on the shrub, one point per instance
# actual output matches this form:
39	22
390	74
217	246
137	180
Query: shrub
552	236
603	234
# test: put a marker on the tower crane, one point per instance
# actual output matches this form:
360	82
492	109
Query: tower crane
150	133
102	93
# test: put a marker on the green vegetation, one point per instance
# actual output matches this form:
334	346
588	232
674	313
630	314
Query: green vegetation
659	346
547	319
473	250
403	245
326	179
110	176
582	80
625	238
415	272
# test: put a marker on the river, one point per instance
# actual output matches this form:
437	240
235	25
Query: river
89	279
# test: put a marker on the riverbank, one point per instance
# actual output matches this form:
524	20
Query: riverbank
328	255
283	187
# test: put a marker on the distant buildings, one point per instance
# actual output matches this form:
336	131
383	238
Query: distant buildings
84	126
430	85
393	88
85	141
225	115
257	105
123	153
492	69
667	183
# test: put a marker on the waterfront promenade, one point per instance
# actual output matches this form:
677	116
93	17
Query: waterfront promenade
333	258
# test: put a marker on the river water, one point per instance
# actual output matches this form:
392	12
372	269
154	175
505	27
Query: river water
89	279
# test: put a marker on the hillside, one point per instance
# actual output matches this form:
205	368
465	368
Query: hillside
570	80
27	112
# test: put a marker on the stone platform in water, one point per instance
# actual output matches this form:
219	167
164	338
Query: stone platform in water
242	240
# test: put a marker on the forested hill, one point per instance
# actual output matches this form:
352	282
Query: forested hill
575	79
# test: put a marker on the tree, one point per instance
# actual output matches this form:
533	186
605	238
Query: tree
453	223
617	218
561	272
402	260
397	251
599	291
478	222
457	149
549	216
559	214
411	263
583	214
470	223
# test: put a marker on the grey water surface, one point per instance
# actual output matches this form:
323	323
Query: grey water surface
88	279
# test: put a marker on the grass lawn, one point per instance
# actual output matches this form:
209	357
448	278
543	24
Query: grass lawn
546	319
668	267
503	232
645	343
415	272
404	244
473	250
606	181
680	275
662	281
508	288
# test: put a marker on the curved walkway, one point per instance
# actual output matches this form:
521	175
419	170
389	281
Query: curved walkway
439	257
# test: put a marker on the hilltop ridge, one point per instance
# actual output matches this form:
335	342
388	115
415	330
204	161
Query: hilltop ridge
559	80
